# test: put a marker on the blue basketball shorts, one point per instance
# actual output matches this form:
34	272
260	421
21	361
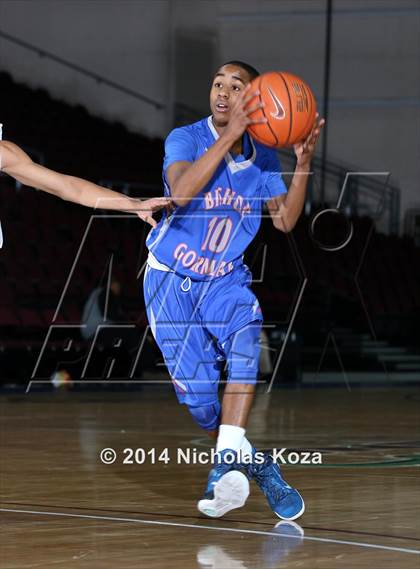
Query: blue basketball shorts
200	326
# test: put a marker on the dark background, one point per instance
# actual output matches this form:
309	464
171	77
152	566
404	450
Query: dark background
334	314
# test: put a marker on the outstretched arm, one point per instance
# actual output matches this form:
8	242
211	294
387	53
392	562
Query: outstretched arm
15	162
285	210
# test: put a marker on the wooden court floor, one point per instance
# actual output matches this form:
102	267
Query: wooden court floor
62	507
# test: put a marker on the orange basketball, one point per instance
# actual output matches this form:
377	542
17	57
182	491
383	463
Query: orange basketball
290	109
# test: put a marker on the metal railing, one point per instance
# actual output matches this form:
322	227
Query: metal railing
365	193
412	224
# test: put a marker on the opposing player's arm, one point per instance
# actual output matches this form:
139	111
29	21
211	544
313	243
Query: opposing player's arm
16	163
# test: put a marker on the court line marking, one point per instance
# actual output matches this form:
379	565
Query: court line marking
196	517
184	516
225	529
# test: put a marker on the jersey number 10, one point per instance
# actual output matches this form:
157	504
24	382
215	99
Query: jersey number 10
218	234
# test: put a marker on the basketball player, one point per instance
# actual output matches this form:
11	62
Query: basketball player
15	162
196	286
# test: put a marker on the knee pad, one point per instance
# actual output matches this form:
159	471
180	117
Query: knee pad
206	416
242	350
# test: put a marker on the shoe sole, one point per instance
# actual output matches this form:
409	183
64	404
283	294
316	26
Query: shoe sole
230	492
300	513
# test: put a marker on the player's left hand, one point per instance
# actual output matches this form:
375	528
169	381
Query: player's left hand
149	207
305	149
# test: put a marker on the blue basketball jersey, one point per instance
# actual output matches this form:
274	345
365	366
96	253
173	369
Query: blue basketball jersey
207	237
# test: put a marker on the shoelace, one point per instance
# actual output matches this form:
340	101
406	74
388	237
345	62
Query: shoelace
265	480
276	492
260	471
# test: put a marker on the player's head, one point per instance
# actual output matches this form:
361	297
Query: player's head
252	72
229	80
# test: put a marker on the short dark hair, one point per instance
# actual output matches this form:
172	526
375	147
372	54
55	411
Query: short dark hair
252	72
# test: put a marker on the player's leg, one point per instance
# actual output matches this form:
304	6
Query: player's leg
227	486
238	326
242	354
242	358
218	312
186	348
191	355
231	489
232	314
242	351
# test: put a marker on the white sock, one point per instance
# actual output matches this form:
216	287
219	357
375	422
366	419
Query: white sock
230	437
246	448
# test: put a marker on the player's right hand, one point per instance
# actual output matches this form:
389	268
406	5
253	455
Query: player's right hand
240	115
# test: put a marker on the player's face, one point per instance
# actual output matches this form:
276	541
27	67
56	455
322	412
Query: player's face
227	84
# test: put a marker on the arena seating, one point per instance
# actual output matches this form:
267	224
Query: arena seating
73	140
375	274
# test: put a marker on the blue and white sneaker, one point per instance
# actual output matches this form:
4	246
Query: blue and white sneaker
227	488
285	501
